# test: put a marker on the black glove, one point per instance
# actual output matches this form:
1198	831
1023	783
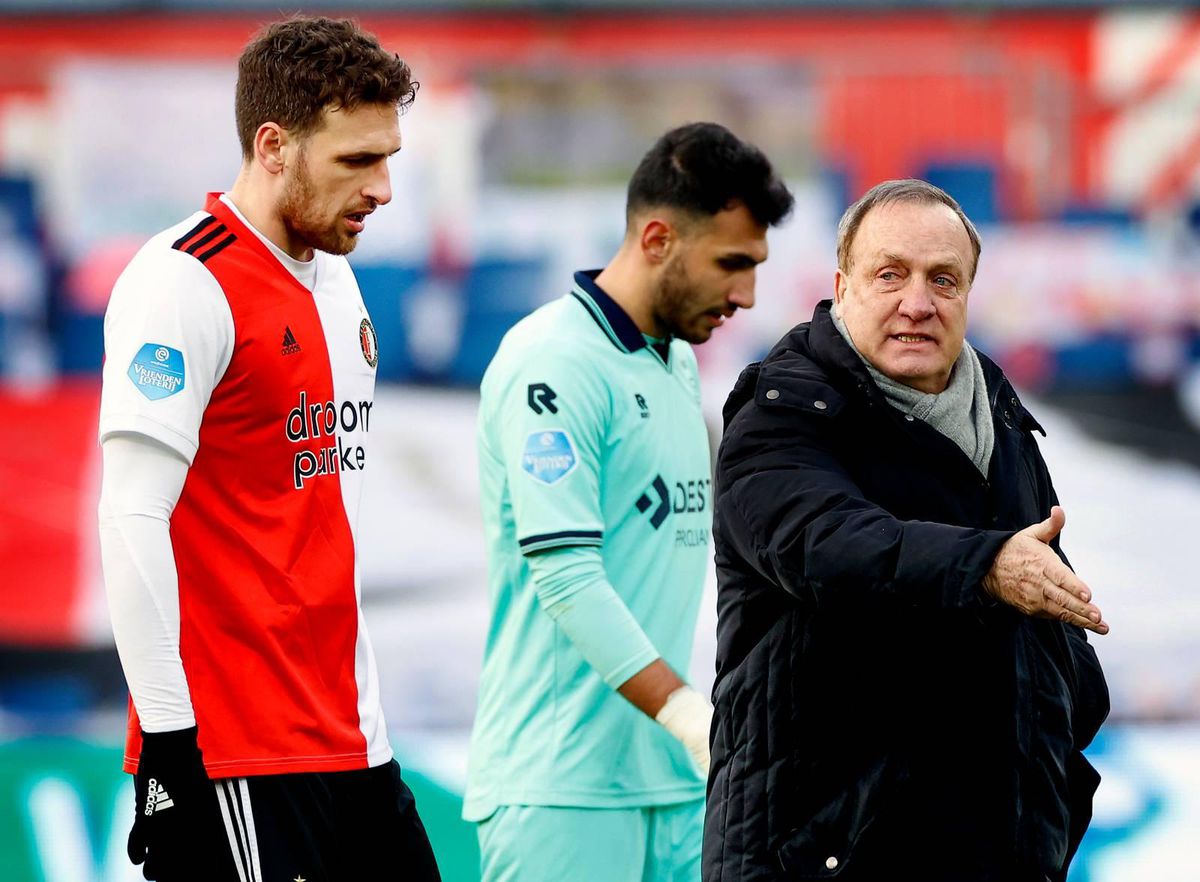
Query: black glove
173	796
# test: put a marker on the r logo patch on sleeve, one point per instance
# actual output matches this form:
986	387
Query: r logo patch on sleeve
549	456
541	398
157	371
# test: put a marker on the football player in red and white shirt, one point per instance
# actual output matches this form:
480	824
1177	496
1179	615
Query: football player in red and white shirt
236	411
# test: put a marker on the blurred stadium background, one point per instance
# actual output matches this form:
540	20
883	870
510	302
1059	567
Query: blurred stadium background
1069	131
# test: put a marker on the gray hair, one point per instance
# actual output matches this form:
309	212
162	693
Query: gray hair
903	190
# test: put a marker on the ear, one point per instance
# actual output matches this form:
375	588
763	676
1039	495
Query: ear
270	142
839	287
657	239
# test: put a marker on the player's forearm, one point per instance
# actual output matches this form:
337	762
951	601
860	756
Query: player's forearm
574	590
142	480
649	689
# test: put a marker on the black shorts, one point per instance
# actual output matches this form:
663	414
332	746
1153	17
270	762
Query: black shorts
313	827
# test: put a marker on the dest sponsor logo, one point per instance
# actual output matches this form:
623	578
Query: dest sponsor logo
678	497
309	421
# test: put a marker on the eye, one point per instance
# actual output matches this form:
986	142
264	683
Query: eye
945	281
889	276
734	264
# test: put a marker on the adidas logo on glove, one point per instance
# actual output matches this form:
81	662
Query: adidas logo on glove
156	797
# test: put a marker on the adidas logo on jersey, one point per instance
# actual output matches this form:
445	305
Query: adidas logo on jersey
156	797
290	346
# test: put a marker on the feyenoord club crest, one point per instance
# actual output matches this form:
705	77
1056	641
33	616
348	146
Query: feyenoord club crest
370	343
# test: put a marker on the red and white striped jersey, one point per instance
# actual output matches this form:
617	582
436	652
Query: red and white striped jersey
214	348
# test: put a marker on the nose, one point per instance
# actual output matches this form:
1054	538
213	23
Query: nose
379	188
917	303
742	295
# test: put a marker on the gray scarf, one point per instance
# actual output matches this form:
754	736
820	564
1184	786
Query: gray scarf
960	412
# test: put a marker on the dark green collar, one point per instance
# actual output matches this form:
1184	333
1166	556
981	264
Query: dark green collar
612	319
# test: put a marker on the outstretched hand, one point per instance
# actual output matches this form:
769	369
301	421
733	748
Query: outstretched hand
1029	576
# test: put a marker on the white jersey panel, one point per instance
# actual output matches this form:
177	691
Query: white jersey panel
353	355
168	339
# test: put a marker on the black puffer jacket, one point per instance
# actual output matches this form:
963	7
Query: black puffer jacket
878	717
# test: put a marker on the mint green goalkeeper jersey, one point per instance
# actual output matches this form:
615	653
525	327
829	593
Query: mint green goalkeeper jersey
589	435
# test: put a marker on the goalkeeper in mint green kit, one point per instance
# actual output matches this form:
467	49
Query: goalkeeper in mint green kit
589	754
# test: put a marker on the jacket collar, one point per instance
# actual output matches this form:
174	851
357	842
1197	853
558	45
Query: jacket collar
829	349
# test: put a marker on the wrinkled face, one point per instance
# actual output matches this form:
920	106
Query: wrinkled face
339	176
709	275
904	295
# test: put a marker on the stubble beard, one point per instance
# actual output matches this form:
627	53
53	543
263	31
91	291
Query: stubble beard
297	209
673	305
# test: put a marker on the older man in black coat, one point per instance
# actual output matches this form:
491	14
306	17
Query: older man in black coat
904	685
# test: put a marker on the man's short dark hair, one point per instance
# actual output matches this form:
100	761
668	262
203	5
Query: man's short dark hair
702	169
292	70
901	190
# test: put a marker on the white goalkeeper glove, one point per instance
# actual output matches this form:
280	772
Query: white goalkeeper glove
688	716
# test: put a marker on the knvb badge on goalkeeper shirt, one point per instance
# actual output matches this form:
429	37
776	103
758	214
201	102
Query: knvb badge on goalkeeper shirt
157	371
549	456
